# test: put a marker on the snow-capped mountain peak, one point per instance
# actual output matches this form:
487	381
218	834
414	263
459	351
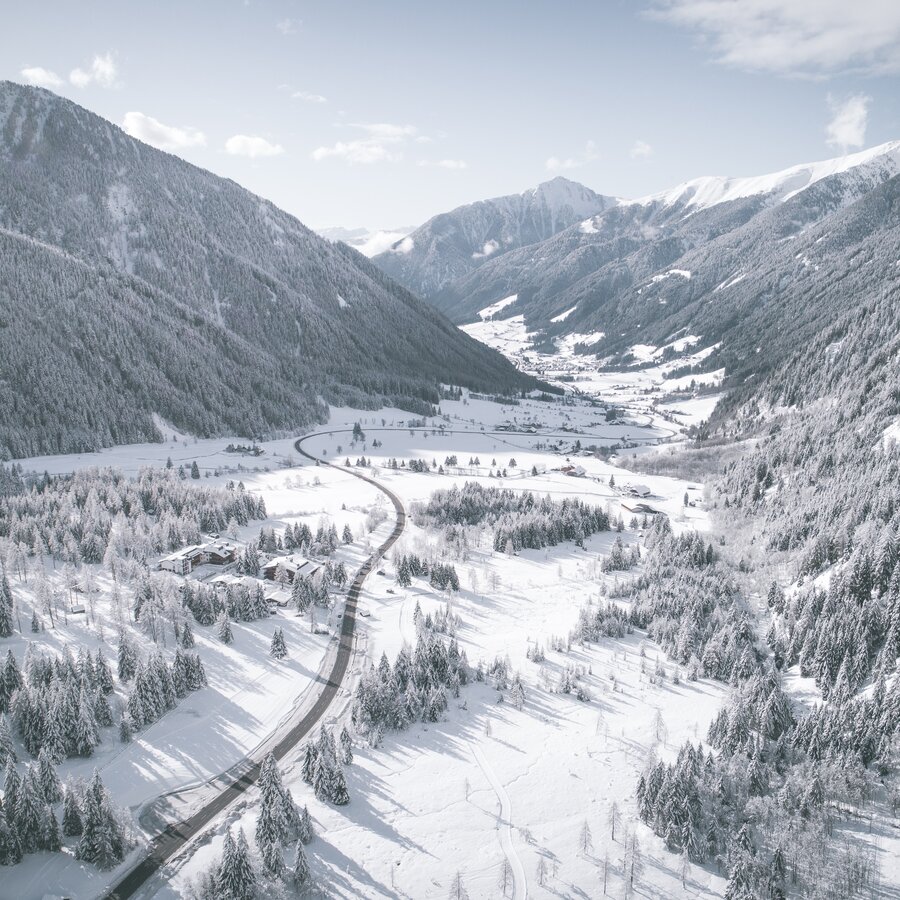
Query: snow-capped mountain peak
701	193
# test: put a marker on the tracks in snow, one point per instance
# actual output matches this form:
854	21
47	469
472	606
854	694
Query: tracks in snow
504	823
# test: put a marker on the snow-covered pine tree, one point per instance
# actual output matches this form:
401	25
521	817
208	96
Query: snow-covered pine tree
7	621
322	778
273	860
71	824
223	628
11	786
52	839
346	747
278	649
187	636
305	830
7	748
29	816
340	796
127	658
10	849
86	733
301	874
51	789
126	732
101	841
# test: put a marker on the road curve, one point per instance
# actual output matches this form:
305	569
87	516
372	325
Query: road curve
169	842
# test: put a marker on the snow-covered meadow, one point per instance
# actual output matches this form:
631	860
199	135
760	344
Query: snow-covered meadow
490	782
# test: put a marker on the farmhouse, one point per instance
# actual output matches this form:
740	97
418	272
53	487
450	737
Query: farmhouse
638	490
574	471
293	565
184	561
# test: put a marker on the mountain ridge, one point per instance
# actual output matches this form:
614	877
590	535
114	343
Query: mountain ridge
305	320
453	244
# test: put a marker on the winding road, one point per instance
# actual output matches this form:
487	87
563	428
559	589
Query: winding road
166	845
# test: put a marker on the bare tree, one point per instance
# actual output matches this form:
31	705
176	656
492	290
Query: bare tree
585	839
457	890
613	818
506	880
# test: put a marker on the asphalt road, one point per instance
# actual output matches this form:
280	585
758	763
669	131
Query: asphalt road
169	842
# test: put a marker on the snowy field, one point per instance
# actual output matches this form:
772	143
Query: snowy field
492	782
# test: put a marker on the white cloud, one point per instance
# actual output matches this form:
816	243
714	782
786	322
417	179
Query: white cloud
444	164
288	26
102	71
252	146
796	37
41	77
488	249
164	137
641	150
555	164
847	128
307	97
381	142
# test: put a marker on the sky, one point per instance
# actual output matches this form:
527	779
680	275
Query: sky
360	113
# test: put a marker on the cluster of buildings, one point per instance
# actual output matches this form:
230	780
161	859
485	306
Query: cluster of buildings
221	553
184	561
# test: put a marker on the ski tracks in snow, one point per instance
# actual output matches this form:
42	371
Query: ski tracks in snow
520	891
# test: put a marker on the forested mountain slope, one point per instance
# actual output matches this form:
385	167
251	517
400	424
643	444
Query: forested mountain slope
134	283
451	245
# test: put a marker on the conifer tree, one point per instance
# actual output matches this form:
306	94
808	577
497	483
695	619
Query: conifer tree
305	829
308	768
187	636
86	736
278	649
72	826
126	732
322	778
273	861
7	621
10	848
127	658
103	674
51	789
30	812
339	794
7	748
346	747
223	628
11	786
52	840
300	874
101	838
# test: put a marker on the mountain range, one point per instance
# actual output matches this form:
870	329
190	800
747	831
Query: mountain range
750	267
137	286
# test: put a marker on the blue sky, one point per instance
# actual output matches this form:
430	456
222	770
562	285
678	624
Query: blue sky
367	113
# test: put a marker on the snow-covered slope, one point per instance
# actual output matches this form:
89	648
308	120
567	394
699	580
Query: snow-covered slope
869	167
